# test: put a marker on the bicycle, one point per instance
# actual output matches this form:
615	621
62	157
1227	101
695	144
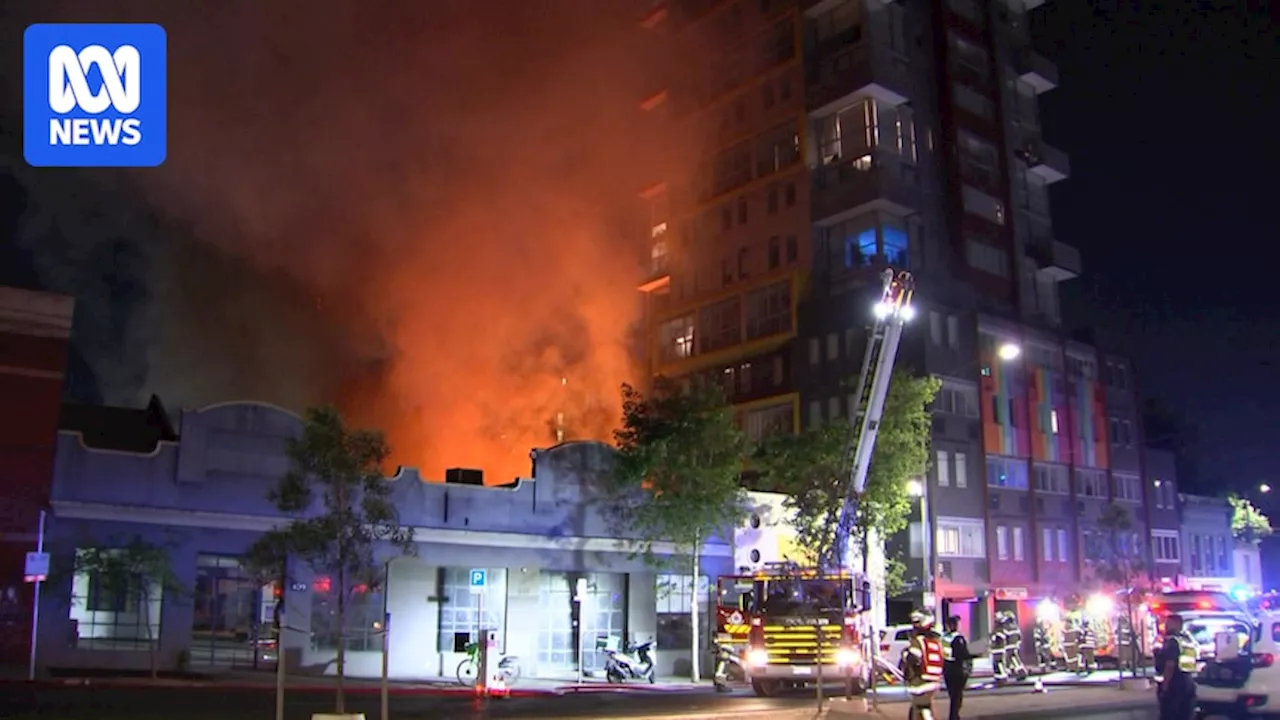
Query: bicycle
469	668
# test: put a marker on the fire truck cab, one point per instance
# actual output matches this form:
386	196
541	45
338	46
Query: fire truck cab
795	626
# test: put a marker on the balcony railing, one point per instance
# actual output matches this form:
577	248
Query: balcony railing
1055	258
1036	70
852	73
841	187
1045	161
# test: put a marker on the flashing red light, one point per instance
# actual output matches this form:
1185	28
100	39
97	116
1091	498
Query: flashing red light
1156	607
276	591
322	584
360	589
1204	604
1264	660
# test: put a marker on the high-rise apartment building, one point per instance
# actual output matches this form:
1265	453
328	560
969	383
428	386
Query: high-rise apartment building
837	137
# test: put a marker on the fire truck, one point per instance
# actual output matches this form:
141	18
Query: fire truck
791	625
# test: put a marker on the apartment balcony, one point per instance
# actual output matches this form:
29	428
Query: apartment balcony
845	188
1055	258
1036	70
1045	161
852	72
658	278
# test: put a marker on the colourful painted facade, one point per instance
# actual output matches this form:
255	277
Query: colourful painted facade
1050	441
1004	410
1089	416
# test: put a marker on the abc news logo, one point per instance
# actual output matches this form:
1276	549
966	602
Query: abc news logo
69	89
94	95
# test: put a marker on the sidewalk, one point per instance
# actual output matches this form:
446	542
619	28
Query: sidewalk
249	680
1056	702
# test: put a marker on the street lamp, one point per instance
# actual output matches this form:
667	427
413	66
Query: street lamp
1264	488
1008	351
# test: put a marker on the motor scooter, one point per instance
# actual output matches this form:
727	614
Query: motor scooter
635	663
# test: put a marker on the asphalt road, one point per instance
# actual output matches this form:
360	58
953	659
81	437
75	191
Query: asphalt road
78	703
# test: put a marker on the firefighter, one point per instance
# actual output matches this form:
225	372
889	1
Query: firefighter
1014	666
1071	643
1044	648
922	665
998	669
1088	648
957	664
1177	666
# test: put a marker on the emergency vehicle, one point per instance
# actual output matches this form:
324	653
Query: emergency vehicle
793	623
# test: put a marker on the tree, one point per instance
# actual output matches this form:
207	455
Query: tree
812	469
1248	524
901	454
1121	564
355	517
677	474
136	573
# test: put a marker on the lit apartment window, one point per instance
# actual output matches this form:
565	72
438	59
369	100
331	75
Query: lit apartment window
1010	473
1091	483
1165	546
961	537
1002	542
1051	479
962	470
1128	487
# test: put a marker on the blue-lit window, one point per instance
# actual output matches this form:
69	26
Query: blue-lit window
859	249
895	245
1008	473
861	244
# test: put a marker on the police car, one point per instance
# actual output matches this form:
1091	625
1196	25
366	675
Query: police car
1239	676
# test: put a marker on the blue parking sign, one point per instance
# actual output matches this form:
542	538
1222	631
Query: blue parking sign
478	578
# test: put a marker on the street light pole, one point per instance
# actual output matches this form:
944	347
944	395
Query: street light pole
926	524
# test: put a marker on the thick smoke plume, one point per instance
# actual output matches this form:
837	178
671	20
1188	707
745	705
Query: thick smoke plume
423	211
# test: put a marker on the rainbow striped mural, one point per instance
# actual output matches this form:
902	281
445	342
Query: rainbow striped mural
1088	412
1045	397
1003	433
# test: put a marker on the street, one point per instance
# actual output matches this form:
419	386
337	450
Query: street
138	703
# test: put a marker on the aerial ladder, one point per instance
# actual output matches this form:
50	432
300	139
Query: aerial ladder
892	312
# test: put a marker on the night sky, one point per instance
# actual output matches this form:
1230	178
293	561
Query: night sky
1170	117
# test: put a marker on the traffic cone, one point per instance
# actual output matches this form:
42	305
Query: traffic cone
498	688
1039	687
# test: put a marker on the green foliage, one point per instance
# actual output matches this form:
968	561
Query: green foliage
676	478
1119	564
1248	524
901	454
812	469
895	573
135	568
343	468
138	570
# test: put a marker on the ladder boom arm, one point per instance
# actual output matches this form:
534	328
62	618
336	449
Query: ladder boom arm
892	312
